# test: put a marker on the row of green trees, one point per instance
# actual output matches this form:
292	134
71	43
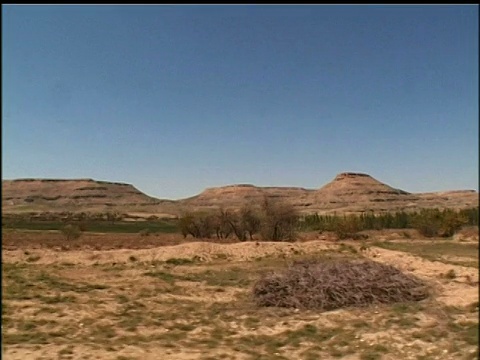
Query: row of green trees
429	222
273	221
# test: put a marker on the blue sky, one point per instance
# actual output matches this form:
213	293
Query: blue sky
174	99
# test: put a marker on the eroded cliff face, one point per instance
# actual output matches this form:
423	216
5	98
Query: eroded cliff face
347	193
239	195
357	192
79	193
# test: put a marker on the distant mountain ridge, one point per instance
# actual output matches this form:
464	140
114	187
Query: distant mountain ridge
71	195
348	192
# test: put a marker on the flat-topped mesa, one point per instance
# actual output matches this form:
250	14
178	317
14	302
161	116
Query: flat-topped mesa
231	187
51	180
68	181
350	175
37	192
239	194
348	192
249	188
350	183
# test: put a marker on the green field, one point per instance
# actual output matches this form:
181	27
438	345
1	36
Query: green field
98	226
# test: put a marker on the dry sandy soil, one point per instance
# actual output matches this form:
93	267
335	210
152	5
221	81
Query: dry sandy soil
161	298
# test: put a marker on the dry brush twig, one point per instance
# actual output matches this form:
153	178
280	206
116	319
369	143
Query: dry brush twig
336	284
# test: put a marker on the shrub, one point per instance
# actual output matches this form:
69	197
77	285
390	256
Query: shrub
433	222
33	258
335	284
71	232
348	227
428	222
82	225
145	232
451	223
451	274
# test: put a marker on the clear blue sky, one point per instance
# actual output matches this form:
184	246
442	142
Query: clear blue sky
174	99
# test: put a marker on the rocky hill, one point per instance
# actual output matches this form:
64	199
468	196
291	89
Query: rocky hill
237	195
346	193
357	192
72	195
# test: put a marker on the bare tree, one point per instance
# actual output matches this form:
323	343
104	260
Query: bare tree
234	221
222	226
276	221
199	225
250	220
279	221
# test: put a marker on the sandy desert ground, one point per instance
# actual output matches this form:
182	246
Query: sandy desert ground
130	297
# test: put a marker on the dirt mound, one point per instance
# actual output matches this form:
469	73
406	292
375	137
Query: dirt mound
336	284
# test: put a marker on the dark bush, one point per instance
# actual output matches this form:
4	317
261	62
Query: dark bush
348	228
71	232
199	225
145	232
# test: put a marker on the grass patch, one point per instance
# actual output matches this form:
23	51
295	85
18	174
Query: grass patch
370	355
430	335
122	299
406	308
71	315
179	261
66	351
436	250
166	227
56	299
182	327
33	337
235	277
466	331
131	316
101	333
33	258
167	277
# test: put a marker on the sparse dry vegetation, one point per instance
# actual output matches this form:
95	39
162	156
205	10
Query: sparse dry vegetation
275	221
71	232
329	285
157	293
142	302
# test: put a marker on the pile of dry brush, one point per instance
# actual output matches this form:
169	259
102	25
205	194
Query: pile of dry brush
336	284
